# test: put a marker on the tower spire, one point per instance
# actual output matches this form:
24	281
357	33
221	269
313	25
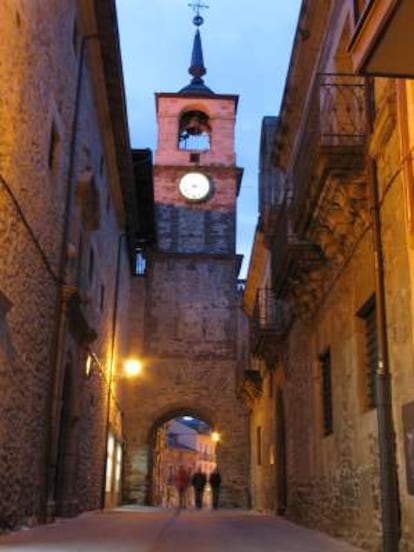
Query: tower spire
197	69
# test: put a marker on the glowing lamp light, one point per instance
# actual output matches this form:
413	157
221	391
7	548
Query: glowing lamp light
88	365
215	436
132	367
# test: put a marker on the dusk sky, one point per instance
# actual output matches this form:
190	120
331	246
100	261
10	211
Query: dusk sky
246	48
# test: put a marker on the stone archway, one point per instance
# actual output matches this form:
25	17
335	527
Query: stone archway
175	411
146	411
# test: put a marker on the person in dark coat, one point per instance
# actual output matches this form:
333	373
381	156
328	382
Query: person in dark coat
215	482
199	481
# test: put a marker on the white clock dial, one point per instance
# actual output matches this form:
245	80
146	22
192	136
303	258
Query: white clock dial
195	186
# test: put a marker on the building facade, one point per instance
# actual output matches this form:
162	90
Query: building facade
67	194
334	386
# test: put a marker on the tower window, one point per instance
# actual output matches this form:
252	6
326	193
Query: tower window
194	131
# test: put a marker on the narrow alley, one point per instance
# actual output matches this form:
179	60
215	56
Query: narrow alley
140	529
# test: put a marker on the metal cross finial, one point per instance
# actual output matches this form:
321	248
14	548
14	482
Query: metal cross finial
197	5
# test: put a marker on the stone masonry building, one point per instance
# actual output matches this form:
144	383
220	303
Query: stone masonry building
68	225
329	290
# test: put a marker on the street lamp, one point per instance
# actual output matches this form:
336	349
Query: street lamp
215	436
132	367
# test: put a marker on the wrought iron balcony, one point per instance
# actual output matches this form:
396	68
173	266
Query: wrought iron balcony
270	323
250	388
332	141
291	256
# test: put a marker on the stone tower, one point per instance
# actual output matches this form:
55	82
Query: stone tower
189	320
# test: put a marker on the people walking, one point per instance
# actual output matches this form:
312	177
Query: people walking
181	482
215	482
199	481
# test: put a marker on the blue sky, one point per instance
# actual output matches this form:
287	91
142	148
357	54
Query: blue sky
246	49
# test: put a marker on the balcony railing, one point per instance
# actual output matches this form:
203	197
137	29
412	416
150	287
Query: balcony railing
289	253
270	321
333	137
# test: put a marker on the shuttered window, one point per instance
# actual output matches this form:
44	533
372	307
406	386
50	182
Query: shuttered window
368	314
326	390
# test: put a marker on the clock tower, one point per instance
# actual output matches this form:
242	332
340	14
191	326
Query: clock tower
191	298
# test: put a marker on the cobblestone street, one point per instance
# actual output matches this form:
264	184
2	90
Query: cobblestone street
132	529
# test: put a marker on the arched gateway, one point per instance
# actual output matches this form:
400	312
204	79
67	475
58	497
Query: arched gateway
186	306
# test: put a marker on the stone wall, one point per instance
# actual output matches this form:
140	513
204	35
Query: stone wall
32	79
333	479
40	59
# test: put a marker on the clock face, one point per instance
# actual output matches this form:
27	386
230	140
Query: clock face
195	186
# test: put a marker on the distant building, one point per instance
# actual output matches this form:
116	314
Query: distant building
189	444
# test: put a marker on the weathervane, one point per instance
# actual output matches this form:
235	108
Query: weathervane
197	6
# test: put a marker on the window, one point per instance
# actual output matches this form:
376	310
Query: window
367	314
54	150
259	445
110	450
118	467
79	265
75	36
140	263
102	298
88	200
91	264
326	391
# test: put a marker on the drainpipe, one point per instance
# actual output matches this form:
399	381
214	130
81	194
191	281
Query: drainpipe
390	505
57	348
111	367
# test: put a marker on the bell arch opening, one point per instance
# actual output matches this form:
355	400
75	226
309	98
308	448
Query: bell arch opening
181	442
194	131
